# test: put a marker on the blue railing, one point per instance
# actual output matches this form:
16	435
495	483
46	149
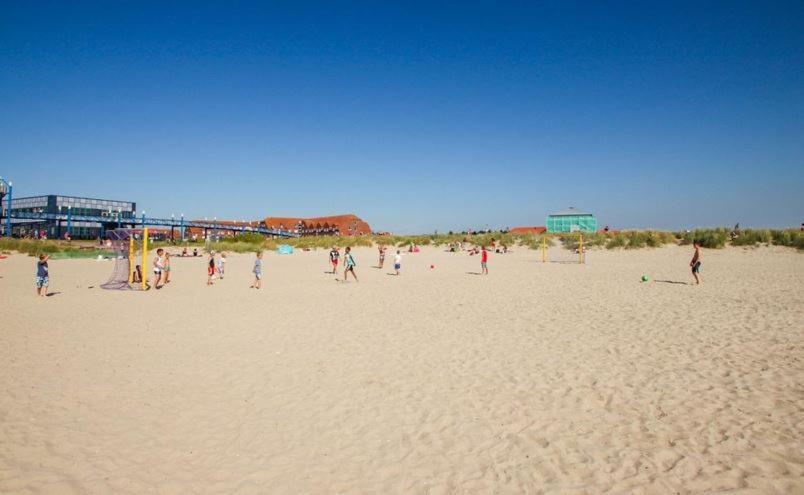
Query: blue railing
150	222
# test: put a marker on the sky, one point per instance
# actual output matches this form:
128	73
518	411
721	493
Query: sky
414	116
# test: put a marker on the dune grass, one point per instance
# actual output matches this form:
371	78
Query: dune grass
56	249
714	238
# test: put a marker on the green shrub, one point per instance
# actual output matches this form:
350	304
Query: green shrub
709	238
616	241
752	238
788	237
249	237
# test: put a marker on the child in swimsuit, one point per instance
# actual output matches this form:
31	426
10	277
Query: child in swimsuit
167	268
382	255
211	269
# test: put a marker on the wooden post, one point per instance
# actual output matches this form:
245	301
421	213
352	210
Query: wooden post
131	262
145	258
581	257
544	249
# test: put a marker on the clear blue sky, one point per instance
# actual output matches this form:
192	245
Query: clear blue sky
416	117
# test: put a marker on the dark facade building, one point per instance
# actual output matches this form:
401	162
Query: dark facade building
104	212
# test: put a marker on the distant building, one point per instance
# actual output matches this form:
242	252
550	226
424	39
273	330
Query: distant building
528	230
571	220
339	225
77	206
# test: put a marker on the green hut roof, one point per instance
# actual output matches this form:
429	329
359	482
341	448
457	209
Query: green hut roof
570	212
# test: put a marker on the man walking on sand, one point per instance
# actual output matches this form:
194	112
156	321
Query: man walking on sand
695	263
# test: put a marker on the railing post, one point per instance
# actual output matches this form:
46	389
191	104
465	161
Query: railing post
8	209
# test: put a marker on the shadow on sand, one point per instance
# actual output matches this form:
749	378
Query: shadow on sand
474	273
51	294
672	282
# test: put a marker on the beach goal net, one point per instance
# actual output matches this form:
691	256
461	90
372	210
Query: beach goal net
563	248
131	257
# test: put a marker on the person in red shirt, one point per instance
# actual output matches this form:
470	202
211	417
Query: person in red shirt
484	258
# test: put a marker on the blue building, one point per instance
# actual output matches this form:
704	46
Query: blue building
115	211
571	220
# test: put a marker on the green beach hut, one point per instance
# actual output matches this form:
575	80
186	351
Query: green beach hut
571	220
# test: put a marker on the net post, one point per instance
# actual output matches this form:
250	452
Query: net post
544	249
581	257
131	262
144	258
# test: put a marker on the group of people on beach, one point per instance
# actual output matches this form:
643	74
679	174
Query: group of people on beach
216	267
397	258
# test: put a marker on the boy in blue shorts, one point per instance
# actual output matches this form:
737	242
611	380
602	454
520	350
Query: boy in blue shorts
257	271
42	275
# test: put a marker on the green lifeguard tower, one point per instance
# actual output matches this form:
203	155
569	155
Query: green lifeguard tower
571	220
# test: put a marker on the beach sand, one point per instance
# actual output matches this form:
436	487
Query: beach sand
539	378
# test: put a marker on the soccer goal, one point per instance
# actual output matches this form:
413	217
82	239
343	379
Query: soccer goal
570	248
131	261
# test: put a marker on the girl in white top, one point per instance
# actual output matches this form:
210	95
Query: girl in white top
222	265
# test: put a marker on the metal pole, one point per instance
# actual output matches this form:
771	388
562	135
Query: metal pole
181	229
70	221
119	219
8	209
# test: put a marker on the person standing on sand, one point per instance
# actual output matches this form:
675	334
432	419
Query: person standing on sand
42	275
484	259
695	263
349	264
398	261
382	256
257	271
167	268
159	266
221	265
334	254
211	268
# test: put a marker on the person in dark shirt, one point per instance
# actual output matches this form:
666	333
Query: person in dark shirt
42	275
695	263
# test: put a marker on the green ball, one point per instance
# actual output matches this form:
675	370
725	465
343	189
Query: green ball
645	278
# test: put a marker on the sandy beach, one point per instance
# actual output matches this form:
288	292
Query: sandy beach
539	378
